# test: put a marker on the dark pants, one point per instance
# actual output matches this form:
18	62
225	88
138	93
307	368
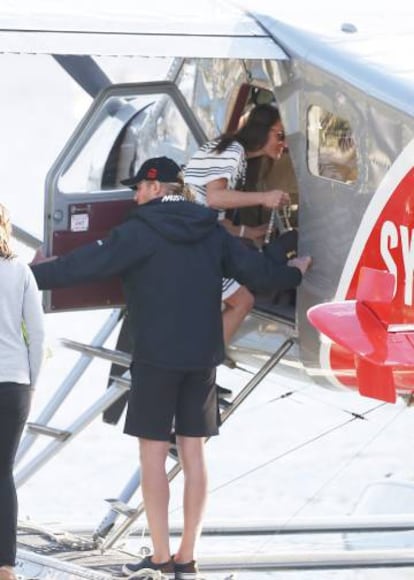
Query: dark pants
14	408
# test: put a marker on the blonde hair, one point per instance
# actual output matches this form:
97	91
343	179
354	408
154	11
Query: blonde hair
5	233
180	188
183	188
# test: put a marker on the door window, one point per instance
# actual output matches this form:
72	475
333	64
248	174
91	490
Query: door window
126	131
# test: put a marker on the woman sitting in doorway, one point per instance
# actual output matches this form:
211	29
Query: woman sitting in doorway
216	174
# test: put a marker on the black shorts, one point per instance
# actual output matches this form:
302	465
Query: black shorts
161	400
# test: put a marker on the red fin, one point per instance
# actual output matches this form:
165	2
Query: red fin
375	381
376	290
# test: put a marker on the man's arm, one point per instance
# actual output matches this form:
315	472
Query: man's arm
95	261
260	271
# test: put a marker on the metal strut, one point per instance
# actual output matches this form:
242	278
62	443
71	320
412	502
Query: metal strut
122	529
61	437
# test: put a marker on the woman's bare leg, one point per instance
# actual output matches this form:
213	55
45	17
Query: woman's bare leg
237	307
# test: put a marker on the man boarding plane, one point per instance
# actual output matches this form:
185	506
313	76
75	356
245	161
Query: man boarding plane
344	87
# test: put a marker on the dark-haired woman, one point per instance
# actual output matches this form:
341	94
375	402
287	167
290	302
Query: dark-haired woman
21	353
213	175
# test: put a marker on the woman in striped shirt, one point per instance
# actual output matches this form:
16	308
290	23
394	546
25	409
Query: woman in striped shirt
215	176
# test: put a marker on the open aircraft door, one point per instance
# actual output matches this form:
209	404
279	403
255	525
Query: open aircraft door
125	125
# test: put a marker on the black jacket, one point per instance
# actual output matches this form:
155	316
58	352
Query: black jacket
171	255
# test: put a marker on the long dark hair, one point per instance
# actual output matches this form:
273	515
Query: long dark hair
254	133
5	233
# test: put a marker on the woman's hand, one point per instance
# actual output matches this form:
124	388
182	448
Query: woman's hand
275	198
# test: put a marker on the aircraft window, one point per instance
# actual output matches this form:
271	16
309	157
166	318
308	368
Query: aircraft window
122	133
212	88
206	87
331	146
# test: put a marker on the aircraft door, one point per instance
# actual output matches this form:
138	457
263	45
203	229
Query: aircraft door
125	125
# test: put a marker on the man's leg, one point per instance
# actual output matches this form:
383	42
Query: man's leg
7	573
156	495
237	307
191	452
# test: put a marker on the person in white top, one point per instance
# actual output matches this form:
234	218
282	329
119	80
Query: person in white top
215	175
21	354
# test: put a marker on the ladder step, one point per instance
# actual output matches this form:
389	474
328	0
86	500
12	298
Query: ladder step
223	392
121	381
173	452
115	356
120	507
224	404
229	362
37	429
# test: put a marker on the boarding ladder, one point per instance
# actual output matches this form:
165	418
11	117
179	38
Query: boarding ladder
106	534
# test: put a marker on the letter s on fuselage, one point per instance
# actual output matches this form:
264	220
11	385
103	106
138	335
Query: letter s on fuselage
391	238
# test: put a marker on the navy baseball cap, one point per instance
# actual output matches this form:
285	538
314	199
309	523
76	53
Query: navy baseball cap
161	169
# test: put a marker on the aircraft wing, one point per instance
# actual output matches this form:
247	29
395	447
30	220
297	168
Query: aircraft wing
182	29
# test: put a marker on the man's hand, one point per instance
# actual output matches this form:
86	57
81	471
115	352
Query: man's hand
40	256
301	262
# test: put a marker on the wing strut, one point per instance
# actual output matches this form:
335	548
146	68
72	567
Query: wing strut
85	71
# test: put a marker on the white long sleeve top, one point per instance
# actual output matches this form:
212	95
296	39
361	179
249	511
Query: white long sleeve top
20	357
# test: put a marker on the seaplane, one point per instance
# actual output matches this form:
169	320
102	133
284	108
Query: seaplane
128	81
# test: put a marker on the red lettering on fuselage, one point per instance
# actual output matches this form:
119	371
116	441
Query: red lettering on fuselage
400	263
384	241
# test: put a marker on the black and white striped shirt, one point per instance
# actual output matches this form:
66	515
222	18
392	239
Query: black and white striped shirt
207	165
